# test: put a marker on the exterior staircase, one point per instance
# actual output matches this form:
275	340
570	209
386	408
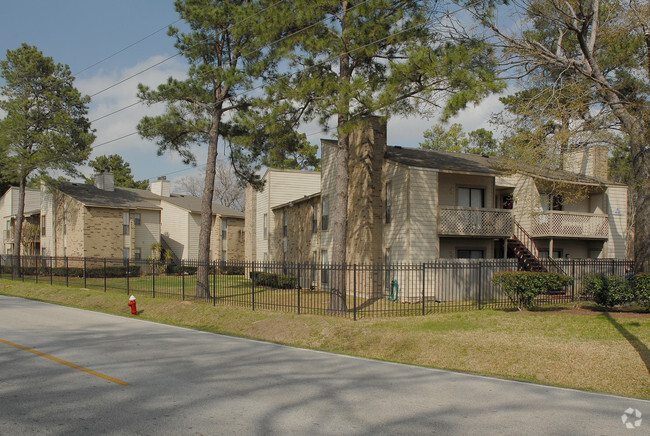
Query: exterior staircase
525	250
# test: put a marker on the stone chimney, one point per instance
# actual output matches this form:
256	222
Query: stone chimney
590	162
105	181
161	187
365	200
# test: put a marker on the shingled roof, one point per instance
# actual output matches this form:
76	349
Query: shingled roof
119	198
444	160
193	204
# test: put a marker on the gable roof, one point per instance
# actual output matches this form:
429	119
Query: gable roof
120	198
444	161
193	204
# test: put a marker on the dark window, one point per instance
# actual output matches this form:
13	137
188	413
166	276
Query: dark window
470	197
314	219
325	213
470	254
43	226
388	201
285	222
136	219
126	228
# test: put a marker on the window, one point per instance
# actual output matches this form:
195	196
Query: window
551	202
470	197
543	254
266	226
470	254
224	256
314	271
314	217
137	254
324	275
224	229
126	228
126	253
388	201
136	219
43	252
43	226
325	213
285	222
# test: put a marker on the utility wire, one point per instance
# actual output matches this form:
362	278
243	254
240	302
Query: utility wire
180	52
294	72
126	48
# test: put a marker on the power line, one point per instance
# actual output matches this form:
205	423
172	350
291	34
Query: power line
126	48
180	52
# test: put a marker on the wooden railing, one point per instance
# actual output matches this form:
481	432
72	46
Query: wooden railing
570	225
527	240
466	221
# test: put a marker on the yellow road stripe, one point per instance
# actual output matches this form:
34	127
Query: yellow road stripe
81	368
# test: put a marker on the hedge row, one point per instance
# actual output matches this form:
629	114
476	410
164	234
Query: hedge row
277	281
610	291
522	287
61	271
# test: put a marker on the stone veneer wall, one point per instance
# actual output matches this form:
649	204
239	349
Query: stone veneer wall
365	199
103	233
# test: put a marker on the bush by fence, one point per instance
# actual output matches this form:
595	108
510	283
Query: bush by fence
523	287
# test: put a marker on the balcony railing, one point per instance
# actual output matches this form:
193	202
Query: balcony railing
466	221
570	225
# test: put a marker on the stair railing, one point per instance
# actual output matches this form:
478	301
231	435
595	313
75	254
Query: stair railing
527	240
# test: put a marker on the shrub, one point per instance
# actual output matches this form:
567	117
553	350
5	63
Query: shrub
641	289
522	287
277	281
178	269
232	270
608	291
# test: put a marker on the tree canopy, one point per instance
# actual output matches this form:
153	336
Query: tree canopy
45	127
592	56
121	171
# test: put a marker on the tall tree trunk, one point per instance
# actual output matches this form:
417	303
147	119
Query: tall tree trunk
202	273
340	212
18	229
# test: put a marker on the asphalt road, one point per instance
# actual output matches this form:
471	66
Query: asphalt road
185	382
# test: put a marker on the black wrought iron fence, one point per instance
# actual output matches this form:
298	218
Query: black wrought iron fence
346	290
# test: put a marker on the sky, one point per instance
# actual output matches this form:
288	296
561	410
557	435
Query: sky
132	34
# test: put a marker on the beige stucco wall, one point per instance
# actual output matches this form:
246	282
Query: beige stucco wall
616	205
397	233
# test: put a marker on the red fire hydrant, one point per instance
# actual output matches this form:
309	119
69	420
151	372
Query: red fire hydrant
134	311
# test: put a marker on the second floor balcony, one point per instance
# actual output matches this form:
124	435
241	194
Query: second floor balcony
556	224
466	221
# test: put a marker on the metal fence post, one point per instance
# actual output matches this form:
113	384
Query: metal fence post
299	287
253	287
354	290
480	282
36	259
51	270
423	287
128	274
85	274
573	283
183	279
66	271
153	279
214	283
104	274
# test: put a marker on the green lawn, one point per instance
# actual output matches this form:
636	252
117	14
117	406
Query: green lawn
584	349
